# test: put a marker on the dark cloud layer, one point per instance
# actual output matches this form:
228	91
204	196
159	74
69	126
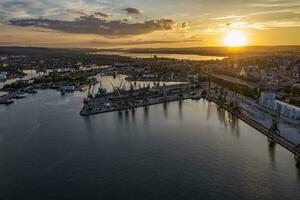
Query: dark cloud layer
93	25
133	11
74	11
101	14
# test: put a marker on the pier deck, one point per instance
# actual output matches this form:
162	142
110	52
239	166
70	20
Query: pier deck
99	105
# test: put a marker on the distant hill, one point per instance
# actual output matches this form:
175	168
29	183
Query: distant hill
223	51
209	51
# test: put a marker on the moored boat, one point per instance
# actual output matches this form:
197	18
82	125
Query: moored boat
6	101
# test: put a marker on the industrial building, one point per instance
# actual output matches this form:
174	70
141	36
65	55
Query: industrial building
268	99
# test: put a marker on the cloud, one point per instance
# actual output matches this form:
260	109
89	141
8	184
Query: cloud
93	25
185	25
133	11
14	5
75	11
253	14
82	12
143	42
54	9
274	24
101	14
276	3
232	17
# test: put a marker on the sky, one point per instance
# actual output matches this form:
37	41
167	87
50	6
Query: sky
147	23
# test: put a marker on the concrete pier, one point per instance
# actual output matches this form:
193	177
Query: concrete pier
272	138
136	98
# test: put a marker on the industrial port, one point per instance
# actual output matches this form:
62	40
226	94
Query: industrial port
124	98
262	110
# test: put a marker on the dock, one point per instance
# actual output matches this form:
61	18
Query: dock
123	100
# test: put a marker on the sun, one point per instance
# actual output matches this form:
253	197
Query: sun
235	39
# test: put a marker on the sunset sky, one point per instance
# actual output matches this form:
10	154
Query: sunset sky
147	23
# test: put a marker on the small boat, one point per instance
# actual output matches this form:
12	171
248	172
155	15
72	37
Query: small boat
30	91
18	96
62	92
6	101
196	97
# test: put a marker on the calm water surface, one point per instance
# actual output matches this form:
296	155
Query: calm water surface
190	150
193	57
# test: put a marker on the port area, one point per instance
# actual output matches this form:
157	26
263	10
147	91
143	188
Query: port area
286	133
278	129
7	98
119	100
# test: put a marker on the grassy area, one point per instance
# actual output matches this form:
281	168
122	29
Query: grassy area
232	74
74	78
295	103
292	91
244	90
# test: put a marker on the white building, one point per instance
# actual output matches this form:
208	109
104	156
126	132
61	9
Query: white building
3	75
268	99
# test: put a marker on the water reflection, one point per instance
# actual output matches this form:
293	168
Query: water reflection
180	109
225	118
272	154
146	114
127	115
208	111
120	116
90	130
234	124
221	116
165	109
193	57
133	114
109	152
127	122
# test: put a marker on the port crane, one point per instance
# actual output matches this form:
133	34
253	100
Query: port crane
90	94
117	90
274	130
234	104
222	97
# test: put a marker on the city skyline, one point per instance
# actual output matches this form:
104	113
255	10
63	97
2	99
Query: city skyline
147	23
